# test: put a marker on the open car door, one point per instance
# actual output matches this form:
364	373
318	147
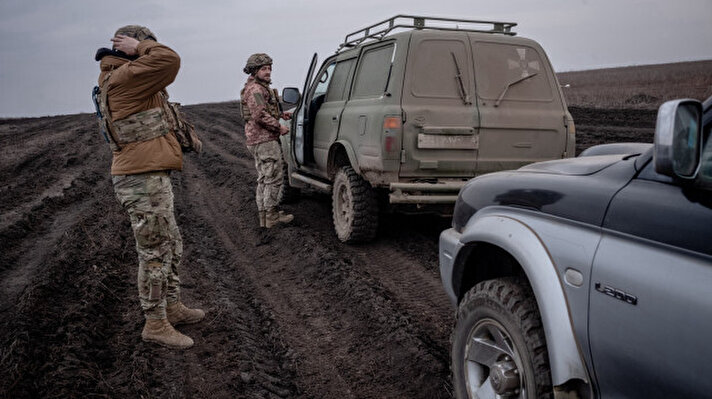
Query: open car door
302	146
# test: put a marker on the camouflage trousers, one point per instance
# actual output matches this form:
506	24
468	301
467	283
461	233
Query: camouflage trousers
268	162
148	199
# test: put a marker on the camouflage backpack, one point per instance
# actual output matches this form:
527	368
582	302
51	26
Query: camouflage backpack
184	130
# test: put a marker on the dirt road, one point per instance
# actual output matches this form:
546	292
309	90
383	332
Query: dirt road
291	312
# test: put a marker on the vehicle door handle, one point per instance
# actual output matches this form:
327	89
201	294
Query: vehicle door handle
334	118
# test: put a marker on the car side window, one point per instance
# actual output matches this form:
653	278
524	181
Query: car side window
323	81
337	88
373	72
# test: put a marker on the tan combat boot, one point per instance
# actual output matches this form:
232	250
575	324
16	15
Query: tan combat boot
262	218
273	217
161	332
178	313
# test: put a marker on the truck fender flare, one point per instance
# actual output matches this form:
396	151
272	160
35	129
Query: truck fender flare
350	153
520	241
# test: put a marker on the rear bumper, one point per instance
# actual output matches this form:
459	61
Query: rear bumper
449	247
440	192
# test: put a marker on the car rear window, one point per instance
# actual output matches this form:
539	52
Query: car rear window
508	68
436	69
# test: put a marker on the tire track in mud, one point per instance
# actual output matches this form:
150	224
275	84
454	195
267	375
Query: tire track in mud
34	253
414	288
49	179
50	348
373	344
237	322
37	139
222	153
27	226
345	332
43	165
13	211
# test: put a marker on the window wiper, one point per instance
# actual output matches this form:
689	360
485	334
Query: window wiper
463	94
522	79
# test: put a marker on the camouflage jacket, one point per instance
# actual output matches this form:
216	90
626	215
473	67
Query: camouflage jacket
262	124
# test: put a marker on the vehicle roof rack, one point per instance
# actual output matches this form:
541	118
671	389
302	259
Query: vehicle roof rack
379	30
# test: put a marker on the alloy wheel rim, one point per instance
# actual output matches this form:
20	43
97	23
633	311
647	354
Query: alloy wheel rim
492	363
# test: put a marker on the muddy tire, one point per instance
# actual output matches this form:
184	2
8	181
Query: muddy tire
498	344
354	207
287	194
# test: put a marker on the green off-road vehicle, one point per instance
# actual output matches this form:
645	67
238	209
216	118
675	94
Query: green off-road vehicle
410	108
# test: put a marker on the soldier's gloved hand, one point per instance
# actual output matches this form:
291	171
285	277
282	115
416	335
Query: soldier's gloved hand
286	116
126	44
283	130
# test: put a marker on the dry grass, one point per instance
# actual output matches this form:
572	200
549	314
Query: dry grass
645	86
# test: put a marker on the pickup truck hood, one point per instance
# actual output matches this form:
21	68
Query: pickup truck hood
574	166
576	189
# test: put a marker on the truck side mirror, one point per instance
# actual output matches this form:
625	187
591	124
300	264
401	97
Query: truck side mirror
678	139
290	95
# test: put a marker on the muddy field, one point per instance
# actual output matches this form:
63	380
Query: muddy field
291	312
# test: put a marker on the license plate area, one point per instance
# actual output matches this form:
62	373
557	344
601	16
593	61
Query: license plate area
461	142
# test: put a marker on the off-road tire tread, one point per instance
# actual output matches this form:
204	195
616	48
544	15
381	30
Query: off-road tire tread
365	208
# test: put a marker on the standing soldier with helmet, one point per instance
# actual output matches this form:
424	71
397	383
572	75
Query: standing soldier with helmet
145	135
261	112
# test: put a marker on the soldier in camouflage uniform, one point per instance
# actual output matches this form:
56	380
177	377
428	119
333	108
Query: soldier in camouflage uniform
134	74
260	109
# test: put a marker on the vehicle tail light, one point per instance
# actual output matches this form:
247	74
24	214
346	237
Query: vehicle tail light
391	135
391	122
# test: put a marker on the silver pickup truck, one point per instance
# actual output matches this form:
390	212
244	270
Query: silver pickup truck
591	276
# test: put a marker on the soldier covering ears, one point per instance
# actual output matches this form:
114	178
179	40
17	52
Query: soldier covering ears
134	114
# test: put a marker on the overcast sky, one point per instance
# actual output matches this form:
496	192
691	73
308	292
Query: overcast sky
47	47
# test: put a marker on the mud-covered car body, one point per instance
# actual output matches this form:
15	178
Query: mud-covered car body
415	109
617	250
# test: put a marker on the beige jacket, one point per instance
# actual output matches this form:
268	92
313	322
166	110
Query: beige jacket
133	87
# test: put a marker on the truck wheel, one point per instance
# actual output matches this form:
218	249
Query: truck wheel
498	344
287	194
354	207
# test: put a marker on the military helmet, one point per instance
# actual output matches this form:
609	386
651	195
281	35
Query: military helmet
138	32
256	61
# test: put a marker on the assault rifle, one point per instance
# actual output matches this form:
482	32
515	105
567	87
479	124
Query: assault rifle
94	95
